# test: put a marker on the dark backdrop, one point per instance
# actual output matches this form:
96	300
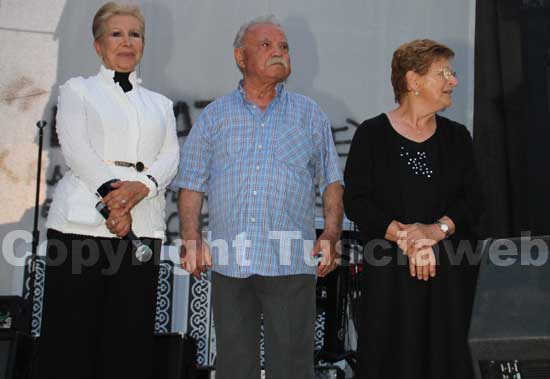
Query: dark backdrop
511	114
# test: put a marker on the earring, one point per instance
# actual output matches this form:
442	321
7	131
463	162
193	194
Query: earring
416	93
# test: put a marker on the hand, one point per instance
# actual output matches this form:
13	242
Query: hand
119	222
417	236
329	247
125	195
195	256
422	263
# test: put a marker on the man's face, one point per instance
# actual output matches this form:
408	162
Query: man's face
264	54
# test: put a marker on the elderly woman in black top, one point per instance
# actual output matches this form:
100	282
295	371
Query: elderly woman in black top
412	188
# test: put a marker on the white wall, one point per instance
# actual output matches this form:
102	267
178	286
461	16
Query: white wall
28	72
341	53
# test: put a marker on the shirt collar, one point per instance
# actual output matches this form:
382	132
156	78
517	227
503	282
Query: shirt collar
108	74
279	91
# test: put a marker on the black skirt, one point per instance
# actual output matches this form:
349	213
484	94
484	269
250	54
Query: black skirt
410	328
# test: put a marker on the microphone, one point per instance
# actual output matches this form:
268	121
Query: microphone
143	252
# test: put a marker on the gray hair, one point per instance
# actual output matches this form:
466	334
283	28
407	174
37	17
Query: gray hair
269	19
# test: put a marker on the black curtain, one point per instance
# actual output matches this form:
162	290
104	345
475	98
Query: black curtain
536	60
511	115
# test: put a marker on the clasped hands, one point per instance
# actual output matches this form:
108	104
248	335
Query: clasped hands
124	196
417	241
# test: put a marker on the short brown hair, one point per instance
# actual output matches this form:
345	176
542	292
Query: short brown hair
113	8
417	55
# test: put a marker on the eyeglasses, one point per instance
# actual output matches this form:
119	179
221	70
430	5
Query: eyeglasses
446	72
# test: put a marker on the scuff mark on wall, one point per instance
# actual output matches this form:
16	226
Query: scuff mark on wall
6	170
21	91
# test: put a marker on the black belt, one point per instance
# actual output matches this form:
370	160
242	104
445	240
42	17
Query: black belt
139	166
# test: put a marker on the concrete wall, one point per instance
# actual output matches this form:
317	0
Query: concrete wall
341	53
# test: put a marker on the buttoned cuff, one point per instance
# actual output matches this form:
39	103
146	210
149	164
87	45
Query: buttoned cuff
151	184
105	188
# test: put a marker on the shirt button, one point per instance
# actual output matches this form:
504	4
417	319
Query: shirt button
259	147
262	124
254	193
252	219
257	168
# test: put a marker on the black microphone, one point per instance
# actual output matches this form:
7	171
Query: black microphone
143	252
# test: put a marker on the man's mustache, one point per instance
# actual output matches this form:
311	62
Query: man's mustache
275	60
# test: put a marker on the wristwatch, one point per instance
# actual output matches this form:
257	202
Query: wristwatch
443	227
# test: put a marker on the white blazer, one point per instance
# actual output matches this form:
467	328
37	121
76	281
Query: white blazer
97	123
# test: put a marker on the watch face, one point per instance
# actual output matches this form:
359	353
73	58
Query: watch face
444	227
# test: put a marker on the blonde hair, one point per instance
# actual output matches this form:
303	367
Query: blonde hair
417	56
113	8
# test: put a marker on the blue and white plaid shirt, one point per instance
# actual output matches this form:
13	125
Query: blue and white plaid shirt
259	171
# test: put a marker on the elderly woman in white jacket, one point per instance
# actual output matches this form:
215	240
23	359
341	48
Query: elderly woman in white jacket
120	144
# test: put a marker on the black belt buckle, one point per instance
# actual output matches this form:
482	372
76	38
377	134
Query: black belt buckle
139	166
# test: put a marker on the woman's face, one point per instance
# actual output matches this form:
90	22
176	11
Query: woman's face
436	86
121	45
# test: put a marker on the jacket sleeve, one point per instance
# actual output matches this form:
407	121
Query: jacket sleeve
165	166
77	150
359	183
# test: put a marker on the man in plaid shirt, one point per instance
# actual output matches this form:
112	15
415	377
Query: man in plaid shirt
258	154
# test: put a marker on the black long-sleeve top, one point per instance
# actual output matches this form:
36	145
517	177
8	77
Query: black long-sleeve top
378	188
